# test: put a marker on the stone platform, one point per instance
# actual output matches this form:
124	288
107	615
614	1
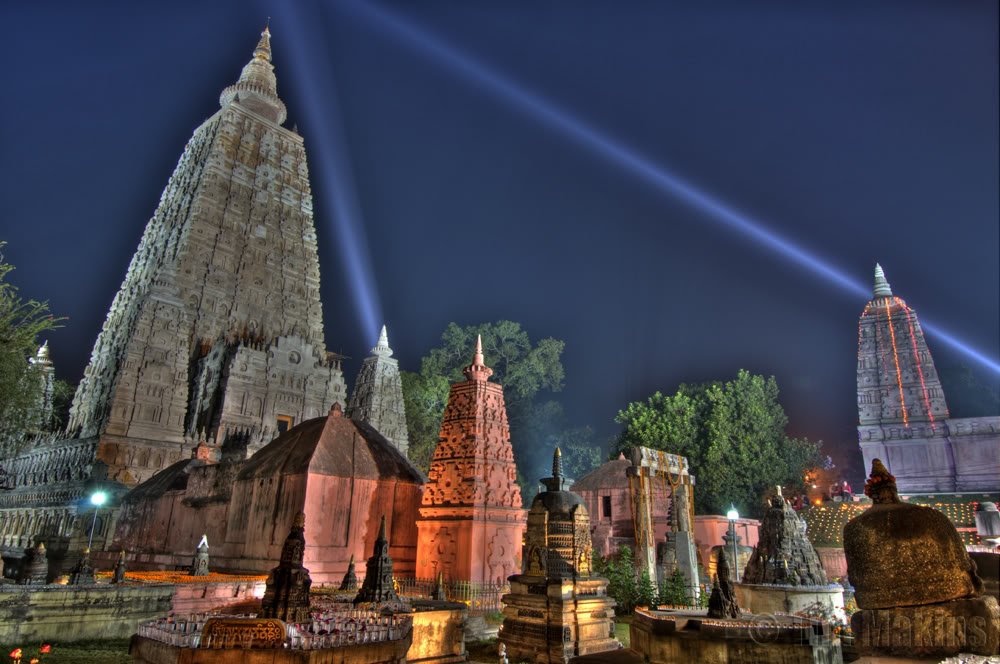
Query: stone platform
666	637
64	614
337	637
933	630
764	599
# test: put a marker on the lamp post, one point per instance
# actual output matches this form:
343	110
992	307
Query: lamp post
733	516
97	499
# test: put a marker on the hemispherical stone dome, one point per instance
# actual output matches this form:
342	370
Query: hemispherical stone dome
900	554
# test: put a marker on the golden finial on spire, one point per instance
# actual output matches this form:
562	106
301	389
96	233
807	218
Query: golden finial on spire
263	50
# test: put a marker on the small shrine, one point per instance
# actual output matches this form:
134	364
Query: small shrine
36	567
199	564
286	596
915	585
378	586
557	608
784	574
350	580
118	575
722	601
83	571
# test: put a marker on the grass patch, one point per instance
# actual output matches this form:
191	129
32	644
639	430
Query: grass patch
622	630
84	652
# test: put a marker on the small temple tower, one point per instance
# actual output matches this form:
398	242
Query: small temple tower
47	376
903	418
556	608
471	517
378	586
377	398
287	592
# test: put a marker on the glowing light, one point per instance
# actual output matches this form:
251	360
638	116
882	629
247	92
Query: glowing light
920	371
881	353
98	498
333	168
732	514
663	179
895	357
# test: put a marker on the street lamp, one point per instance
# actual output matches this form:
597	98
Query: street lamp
733	516
97	499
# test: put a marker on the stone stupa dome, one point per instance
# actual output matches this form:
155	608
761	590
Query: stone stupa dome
900	554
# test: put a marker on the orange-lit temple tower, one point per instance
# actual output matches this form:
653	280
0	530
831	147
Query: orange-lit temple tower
471	521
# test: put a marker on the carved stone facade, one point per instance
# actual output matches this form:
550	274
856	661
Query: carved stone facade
902	413
215	338
378	395
557	609
471	517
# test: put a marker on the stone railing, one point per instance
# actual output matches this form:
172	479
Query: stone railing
328	629
479	597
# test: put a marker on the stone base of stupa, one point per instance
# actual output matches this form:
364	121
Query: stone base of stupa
765	599
932	631
552	622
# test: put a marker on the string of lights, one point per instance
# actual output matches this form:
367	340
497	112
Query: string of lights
920	371
895	357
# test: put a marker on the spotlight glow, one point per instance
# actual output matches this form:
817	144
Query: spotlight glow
565	123
333	171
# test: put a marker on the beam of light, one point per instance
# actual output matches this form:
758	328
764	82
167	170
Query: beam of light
329	153
562	121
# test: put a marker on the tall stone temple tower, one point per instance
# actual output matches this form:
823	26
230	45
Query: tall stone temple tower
214	343
377	398
471	518
903	417
216	334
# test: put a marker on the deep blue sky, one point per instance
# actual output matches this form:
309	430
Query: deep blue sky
861	131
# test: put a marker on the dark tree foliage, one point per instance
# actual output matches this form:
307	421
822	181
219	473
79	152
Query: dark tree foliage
967	396
21	384
733	434
527	372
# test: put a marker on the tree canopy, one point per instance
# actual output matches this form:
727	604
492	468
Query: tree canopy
526	370
21	385
733	434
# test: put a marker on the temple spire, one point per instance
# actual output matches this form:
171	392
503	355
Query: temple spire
263	50
382	347
478	371
257	87
558	481
882	288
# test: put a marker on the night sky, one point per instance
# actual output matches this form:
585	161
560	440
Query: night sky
858	131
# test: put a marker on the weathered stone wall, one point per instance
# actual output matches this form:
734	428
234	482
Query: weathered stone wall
66	614
377	397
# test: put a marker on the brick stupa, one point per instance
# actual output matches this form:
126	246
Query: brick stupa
471	518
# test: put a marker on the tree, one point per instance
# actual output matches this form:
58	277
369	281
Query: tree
967	395
619	568
733	434
674	591
21	386
646	590
524	369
